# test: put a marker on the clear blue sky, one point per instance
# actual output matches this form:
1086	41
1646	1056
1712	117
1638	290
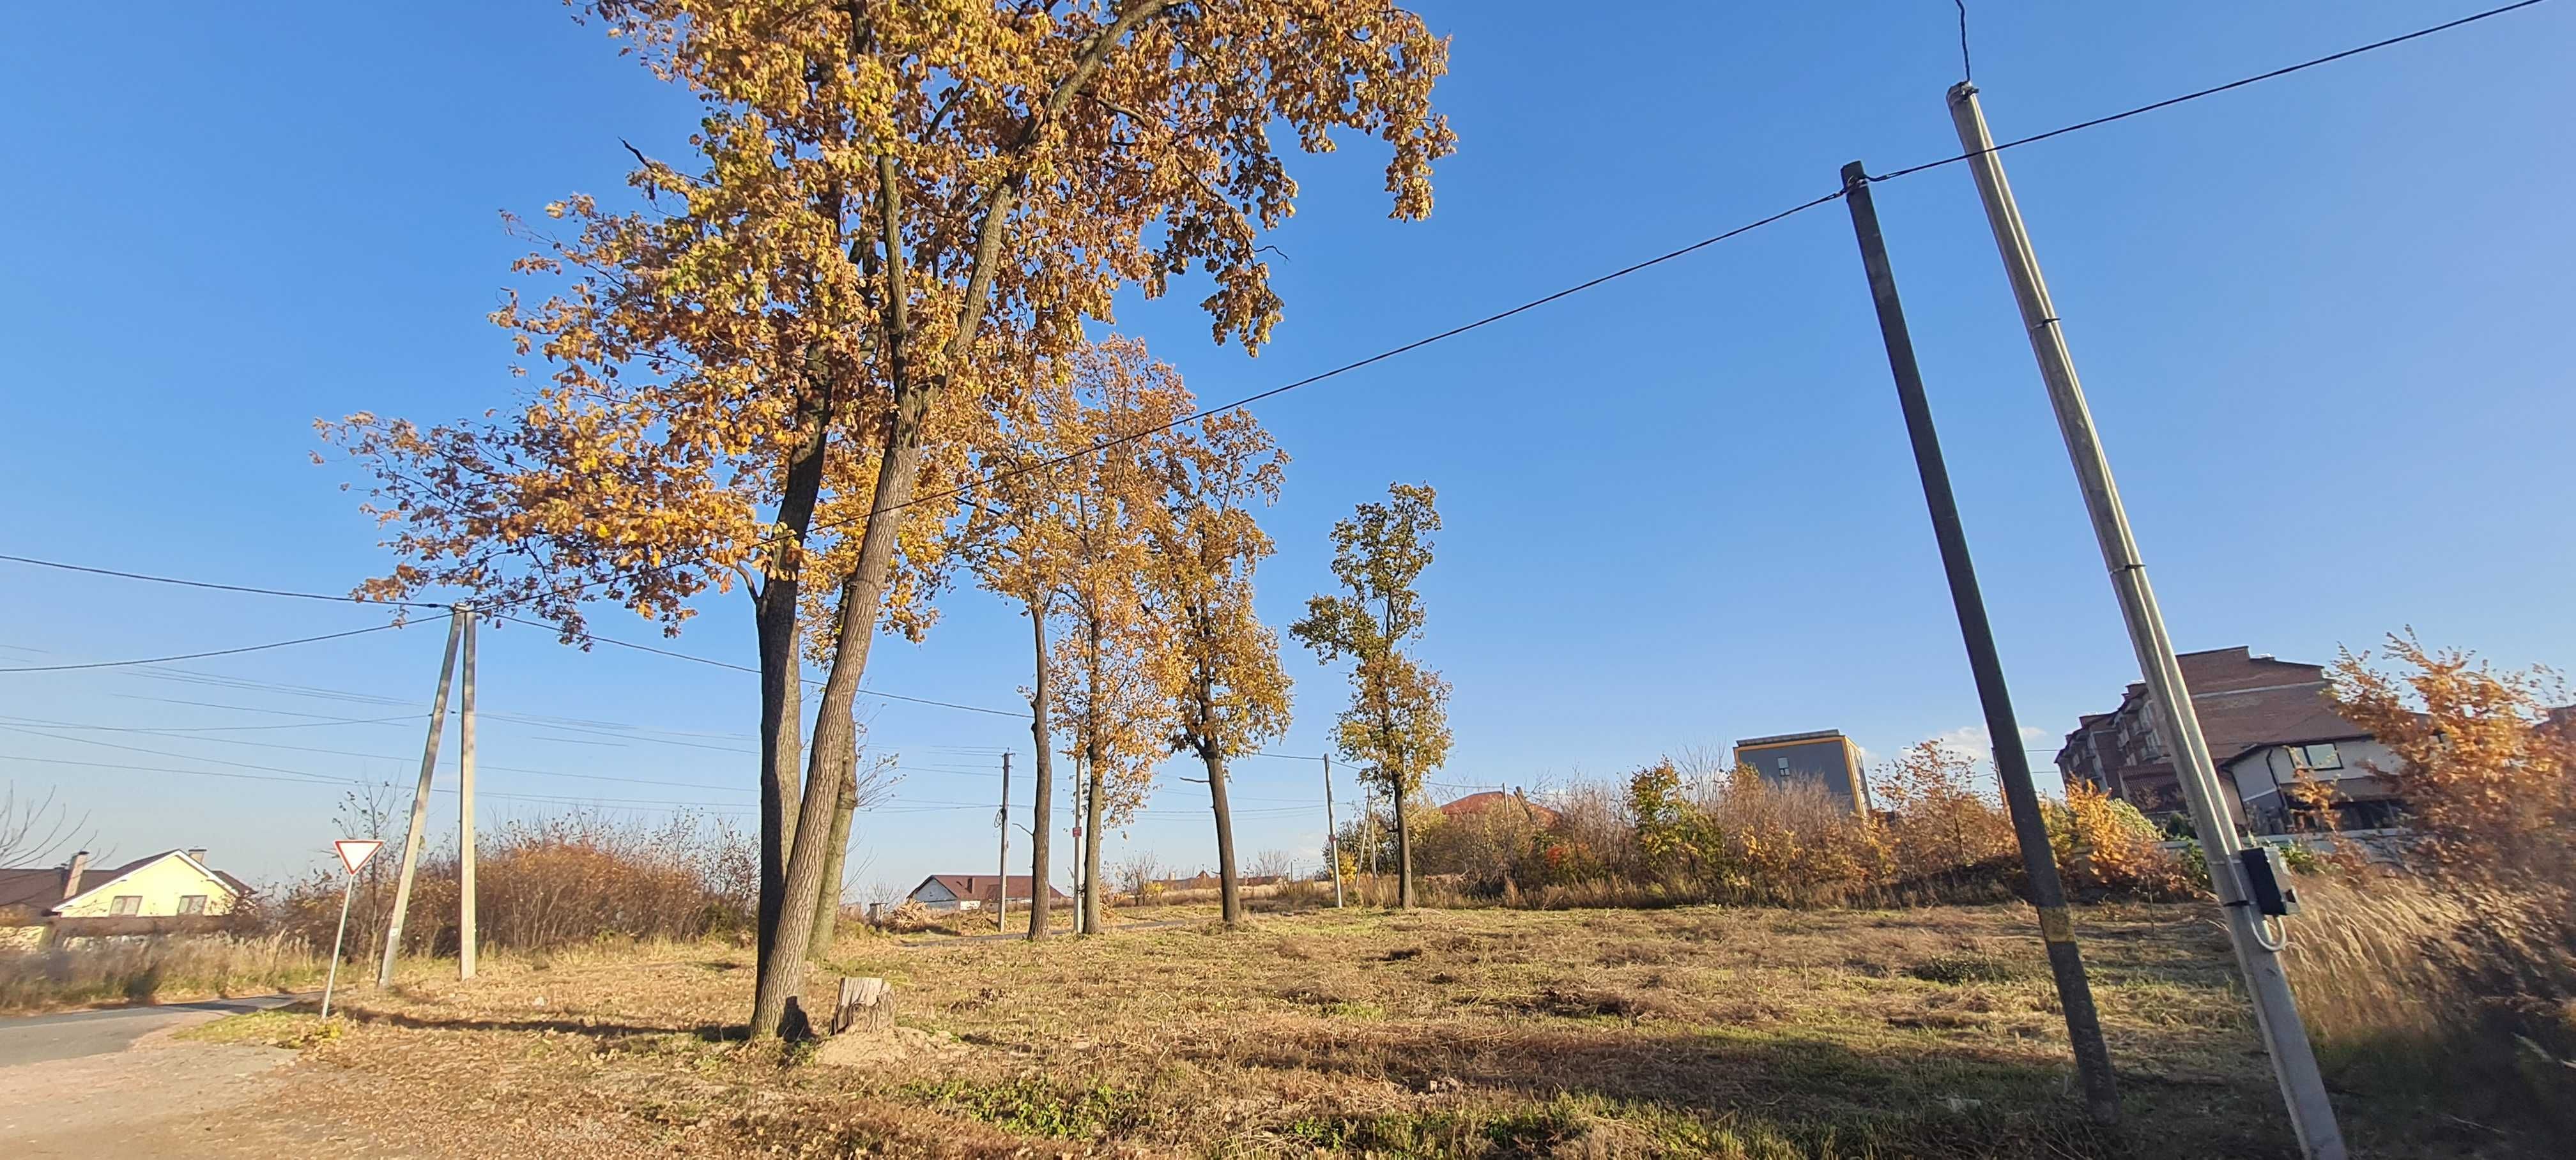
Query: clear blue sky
2323	322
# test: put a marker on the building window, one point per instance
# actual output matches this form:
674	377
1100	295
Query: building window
192	904
2317	757
125	904
1784	765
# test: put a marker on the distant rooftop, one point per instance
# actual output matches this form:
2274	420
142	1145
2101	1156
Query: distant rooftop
1818	735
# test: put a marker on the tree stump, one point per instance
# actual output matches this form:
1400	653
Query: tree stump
867	1006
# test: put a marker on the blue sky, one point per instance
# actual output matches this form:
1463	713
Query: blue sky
2322	322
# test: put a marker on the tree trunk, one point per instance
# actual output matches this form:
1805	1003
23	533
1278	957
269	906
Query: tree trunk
1091	907
827	903
1403	853
1041	907
782	685
1229	884
861	595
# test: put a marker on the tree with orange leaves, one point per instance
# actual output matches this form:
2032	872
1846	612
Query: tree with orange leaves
1227	691
1397	727
2488	758
1109	698
900	208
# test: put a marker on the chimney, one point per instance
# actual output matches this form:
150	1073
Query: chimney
198	856
72	874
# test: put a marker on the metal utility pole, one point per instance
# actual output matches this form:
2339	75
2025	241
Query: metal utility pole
1002	822
2276	1012
2012	765
1332	841
354	853
465	937
420	805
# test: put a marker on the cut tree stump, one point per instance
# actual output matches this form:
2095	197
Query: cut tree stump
867	1005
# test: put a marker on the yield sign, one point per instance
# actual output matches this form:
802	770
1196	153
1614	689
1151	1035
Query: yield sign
354	852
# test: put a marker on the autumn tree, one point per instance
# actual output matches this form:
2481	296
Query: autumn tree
1941	820
1397	726
896	210
1222	676
1020	543
1110	697
2488	756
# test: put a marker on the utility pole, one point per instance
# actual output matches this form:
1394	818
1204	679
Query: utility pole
2012	764
1081	911
420	804
465	937
1332	841
1002	822
2276	1012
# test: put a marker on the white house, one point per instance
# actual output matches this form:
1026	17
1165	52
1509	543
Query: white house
974	891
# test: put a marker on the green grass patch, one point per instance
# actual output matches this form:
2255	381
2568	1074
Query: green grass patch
1031	1105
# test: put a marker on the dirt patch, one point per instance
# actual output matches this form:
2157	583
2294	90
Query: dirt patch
161	1097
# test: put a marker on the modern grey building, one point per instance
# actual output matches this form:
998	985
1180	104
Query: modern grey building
1825	759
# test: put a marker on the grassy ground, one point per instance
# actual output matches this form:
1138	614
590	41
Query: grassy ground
1684	1032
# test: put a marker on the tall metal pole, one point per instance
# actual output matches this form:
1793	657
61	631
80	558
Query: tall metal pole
420	805
1332	840
2012	764
2276	1012
465	936
1002	822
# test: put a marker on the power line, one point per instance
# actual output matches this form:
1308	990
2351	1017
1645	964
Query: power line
311	779
2169	102
594	638
1965	73
221	652
209	584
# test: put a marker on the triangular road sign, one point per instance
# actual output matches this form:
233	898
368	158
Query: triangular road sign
354	852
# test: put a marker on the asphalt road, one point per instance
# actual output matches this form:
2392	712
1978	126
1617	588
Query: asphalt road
73	1034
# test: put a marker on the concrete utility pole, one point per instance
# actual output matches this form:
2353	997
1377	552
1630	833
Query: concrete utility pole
1332	841
1002	822
1081	912
2276	1012
2012	764
420	805
465	937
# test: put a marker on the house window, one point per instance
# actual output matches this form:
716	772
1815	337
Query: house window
192	904
125	904
1784	765
2317	757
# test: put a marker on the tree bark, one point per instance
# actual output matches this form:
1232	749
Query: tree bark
1041	906
1403	851
1229	884
827	902
1091	907
782	685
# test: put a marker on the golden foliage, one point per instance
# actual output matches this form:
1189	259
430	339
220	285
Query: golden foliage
1397	726
1940	818
2103	844
2489	770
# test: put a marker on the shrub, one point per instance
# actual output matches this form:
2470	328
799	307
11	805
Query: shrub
2104	845
541	885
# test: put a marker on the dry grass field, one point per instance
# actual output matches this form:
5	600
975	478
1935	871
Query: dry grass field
1681	1032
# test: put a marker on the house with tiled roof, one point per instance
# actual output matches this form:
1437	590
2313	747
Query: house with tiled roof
175	885
2266	720
976	891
